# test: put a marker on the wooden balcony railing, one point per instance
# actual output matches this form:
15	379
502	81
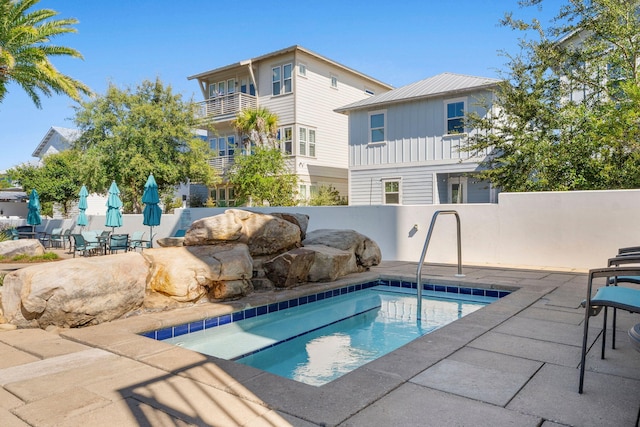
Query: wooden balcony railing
224	107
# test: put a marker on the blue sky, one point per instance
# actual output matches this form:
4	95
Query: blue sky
125	42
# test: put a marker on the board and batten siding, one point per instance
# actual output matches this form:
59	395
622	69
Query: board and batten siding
365	186
414	133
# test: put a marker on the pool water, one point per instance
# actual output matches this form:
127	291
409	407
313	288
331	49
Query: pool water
318	342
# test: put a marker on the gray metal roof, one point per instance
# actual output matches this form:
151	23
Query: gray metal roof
13	196
439	85
68	134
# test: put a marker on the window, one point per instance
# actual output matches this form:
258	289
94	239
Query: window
455	117
302	69
221	88
391	189
334	81
222	147
312	142
285	136
376	127
223	197
457	189
303	141
231	85
231	145
281	79
213	144
246	86
212	90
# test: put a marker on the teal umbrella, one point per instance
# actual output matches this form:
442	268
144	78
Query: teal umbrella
152	212
82	207
33	216
114	216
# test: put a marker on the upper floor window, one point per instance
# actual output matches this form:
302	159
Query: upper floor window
281	79
285	136
223	146
307	141
376	127
247	86
334	81
231	85
302	69
455	117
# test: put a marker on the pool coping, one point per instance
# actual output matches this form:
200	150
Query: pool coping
333	402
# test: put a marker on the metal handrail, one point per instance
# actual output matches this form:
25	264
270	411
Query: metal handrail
424	253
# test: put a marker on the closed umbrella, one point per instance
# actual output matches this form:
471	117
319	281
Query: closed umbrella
82	207
114	216
152	212
33	216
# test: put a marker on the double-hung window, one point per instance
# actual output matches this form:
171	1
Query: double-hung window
281	79
285	136
391	191
376	127
307	142
455	116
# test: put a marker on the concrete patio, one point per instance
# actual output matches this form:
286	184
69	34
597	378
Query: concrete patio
514	362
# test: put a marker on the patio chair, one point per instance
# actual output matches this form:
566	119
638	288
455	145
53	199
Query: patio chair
118	242
137	240
610	295
13	234
66	238
56	238
81	245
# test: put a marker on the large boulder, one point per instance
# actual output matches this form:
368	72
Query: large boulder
75	292
301	220
330	263
290	269
167	242
365	252
29	247
188	273
263	234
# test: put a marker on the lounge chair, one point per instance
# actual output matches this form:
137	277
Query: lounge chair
81	245
118	242
610	295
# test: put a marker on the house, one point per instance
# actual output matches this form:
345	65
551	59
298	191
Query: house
56	139
303	89
405	144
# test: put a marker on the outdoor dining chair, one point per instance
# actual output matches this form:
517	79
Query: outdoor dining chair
81	245
611	295
137	240
118	242
56	238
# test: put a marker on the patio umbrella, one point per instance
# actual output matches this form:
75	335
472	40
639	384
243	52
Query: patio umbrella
82	207
33	216
152	212
114	216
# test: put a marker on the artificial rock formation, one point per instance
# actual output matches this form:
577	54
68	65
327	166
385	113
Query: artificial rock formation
290	268
188	273
29	247
364	252
75	292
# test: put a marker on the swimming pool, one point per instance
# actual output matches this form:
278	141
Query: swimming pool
320	337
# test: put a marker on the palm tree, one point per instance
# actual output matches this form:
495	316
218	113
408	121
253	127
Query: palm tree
258	125
25	51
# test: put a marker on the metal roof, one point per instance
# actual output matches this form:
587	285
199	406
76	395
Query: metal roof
289	49
68	134
13	196
439	85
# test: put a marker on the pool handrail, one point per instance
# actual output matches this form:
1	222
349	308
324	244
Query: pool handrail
424	253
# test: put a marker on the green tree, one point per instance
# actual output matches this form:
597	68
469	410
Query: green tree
327	196
56	180
25	51
128	134
566	115
257	126
263	178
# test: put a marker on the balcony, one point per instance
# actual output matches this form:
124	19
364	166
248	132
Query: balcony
221	163
225	107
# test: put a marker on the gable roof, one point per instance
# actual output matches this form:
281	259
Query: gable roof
69	135
280	52
442	84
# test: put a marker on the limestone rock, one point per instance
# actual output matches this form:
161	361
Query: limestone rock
75	292
30	247
231	289
291	268
301	220
366	252
187	273
264	234
167	242
330	263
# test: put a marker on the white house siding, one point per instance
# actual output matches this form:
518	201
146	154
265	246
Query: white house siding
416	185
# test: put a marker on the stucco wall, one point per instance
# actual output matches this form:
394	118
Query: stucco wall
575	230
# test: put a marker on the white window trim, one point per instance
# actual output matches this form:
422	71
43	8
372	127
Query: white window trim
383	181
332	78
302	65
384	128
446	119
457	180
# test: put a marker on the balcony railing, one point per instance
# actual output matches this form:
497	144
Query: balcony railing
221	164
224	107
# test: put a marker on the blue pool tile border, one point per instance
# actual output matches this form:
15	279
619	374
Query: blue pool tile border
174	331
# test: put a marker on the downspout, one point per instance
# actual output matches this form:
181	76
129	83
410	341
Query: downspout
253	79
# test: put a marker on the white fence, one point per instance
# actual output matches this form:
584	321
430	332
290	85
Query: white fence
557	230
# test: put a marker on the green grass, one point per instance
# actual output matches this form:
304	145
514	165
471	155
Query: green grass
48	256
